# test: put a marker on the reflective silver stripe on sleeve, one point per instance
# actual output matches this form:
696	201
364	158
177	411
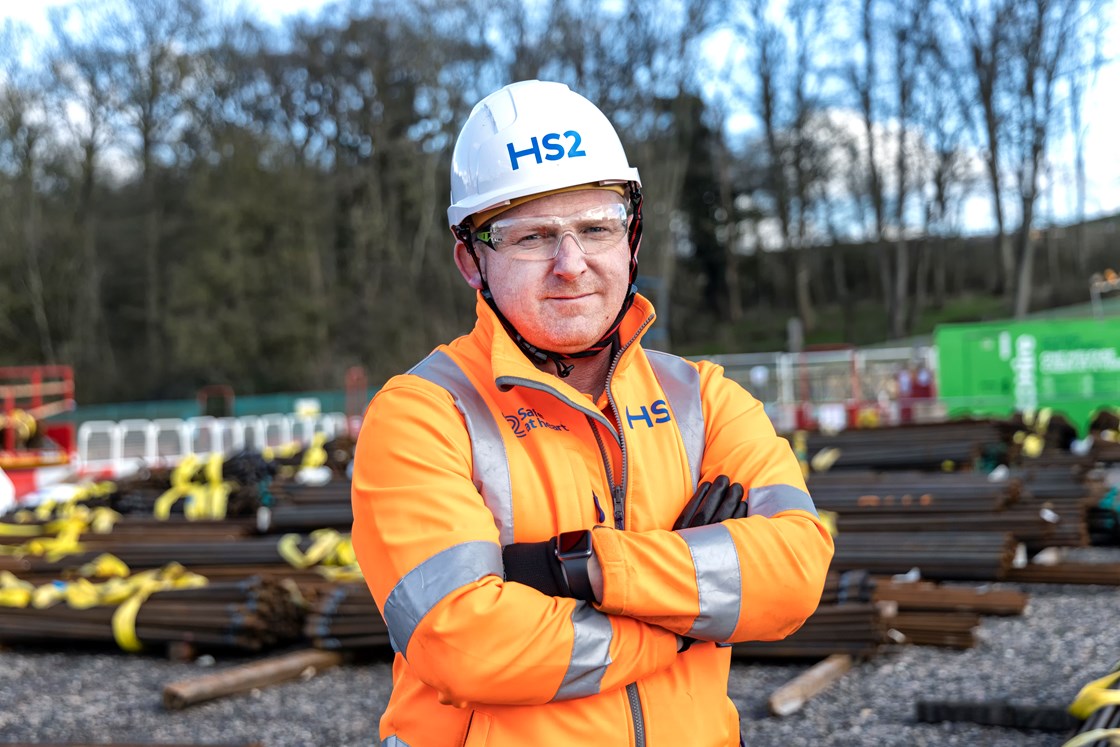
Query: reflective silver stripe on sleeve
426	584
394	741
718	580
491	469
773	499
681	384
591	653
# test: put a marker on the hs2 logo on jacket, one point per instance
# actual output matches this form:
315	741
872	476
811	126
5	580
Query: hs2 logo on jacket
657	413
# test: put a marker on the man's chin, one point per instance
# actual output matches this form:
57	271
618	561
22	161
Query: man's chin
569	344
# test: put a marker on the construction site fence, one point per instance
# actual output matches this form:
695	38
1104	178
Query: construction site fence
122	446
840	388
831	389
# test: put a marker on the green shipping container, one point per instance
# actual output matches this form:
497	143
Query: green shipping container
1069	365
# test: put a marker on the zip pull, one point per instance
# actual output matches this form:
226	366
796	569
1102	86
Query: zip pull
600	514
617	496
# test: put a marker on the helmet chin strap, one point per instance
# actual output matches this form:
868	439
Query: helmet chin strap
559	360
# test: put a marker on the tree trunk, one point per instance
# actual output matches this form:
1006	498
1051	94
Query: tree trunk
34	273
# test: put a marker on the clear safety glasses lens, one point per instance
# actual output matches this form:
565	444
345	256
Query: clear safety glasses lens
538	238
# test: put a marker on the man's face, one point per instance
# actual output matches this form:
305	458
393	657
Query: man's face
564	304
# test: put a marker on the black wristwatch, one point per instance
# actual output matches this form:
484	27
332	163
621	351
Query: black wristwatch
573	550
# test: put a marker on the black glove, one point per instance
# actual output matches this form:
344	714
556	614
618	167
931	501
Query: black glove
535	564
712	503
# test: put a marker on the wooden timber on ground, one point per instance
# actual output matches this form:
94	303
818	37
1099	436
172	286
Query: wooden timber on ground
790	697
246	677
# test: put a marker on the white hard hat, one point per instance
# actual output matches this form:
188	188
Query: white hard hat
528	138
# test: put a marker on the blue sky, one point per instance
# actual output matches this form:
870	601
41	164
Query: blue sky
1101	111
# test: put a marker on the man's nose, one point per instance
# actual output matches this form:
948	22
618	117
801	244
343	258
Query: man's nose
570	257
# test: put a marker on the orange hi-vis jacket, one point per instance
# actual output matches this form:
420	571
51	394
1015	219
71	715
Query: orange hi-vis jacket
475	448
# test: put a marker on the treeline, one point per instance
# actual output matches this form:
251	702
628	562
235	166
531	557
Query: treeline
192	197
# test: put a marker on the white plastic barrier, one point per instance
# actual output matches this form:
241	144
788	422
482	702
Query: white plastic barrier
123	447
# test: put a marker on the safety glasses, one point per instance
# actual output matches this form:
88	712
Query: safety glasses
595	231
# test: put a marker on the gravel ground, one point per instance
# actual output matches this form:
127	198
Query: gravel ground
1066	638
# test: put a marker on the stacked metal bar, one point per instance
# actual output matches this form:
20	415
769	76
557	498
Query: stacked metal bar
1064	572
252	614
346	619
857	629
142	555
304	508
973	556
929	446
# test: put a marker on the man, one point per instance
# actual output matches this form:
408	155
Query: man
551	518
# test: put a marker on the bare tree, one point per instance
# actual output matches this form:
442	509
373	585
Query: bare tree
911	42
1046	38
82	67
151	43
864	80
787	100
24	136
983	33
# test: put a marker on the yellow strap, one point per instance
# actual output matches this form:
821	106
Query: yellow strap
344	554
171	576
48	595
324	543
124	624
315	455
180	486
288	548
341	574
829	519
102	519
1095	735
1095	695
823	460
217	493
283	451
58	547
20	530
14	591
105	565
800	450
81	594
15	598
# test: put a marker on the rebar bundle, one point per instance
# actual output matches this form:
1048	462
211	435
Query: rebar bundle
251	614
1105	574
945	629
960	555
348	619
926	596
855	629
926	446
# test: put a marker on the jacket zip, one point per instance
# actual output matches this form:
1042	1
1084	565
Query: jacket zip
618	492
618	496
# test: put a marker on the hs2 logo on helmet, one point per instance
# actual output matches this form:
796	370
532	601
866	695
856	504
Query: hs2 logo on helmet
554	149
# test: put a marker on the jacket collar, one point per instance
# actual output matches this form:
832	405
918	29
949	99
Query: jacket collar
507	360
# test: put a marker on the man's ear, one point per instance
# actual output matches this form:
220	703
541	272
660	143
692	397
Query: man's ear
468	268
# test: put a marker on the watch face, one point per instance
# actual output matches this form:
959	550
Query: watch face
569	543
